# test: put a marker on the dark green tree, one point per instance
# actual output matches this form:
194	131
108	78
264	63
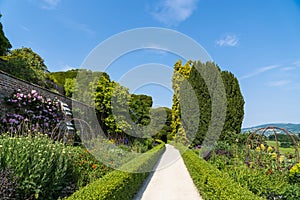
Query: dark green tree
139	108
4	42
235	106
162	114
183	104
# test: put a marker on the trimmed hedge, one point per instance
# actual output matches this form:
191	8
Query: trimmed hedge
119	184
212	183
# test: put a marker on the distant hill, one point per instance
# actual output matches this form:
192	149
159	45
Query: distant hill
293	128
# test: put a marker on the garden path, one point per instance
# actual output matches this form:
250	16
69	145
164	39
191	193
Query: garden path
170	180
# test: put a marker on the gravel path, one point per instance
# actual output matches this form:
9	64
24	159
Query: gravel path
170	180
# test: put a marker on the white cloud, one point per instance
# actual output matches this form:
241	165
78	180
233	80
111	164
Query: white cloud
172	12
50	4
288	68
259	71
297	63
228	40
25	28
279	83
77	26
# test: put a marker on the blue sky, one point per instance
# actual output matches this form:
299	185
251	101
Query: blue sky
257	40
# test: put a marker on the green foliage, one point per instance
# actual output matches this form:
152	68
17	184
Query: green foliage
27	65
180	74
212	183
80	82
266	185
60	77
294	173
139	106
282	138
43	167
286	144
235	105
4	42
120	184
256	169
87	167
70	87
187	81
163	114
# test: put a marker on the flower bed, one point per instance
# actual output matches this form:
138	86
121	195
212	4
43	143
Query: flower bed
120	184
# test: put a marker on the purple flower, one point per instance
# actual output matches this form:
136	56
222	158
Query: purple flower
11	120
4	120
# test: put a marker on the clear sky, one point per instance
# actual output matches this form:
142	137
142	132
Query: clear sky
257	40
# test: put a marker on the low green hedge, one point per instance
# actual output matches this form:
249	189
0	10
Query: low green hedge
120	184
212	183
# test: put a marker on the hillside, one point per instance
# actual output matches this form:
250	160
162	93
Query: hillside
293	128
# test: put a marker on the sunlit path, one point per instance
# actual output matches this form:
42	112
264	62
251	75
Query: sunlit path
170	181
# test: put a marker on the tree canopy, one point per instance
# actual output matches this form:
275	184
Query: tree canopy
4	42
24	63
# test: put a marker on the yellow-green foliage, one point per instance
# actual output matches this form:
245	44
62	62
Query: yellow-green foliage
120	184
181	72
212	183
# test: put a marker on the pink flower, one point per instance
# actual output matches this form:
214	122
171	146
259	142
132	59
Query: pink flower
33	92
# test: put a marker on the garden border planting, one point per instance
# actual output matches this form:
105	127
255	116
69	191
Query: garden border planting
212	183
120	184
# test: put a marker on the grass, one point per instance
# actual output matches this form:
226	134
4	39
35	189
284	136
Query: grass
282	149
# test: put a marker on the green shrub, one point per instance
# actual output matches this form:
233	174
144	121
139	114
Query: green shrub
120	184
286	144
87	167
43	167
212	183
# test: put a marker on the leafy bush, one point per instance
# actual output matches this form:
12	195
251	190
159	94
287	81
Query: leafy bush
294	174
212	183
286	144
120	184
31	113
87	167
8	184
43	167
